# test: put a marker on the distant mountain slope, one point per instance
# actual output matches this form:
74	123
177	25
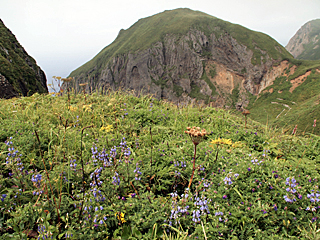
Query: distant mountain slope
182	55
19	73
305	44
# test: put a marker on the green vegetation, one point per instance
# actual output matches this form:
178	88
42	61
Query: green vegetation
206	79
15	64
74	168
178	90
161	82
235	95
302	66
147	31
212	71
195	92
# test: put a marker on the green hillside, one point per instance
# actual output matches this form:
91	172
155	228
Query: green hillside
18	67
150	30
283	108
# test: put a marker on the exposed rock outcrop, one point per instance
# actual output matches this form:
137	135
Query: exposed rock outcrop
6	89
306	42
19	73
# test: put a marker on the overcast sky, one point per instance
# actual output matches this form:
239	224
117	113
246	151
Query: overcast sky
61	35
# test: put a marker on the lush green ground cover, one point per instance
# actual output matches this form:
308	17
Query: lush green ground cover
118	167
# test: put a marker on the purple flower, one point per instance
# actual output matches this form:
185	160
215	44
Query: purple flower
196	216
3	197
218	214
249	169
224	197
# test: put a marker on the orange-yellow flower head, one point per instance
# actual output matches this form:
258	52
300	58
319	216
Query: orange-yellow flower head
195	134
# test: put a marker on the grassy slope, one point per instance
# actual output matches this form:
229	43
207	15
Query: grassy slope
253	206
17	69
303	101
150	30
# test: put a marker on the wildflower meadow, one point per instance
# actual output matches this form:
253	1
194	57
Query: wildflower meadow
120	166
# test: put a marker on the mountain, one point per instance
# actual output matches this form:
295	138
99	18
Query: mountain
19	73
182	55
305	44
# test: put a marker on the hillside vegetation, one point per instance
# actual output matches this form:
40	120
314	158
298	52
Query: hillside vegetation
281	105
116	166
18	67
148	31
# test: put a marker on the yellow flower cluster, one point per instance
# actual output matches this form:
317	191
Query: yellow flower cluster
107	129
87	107
120	216
195	134
222	141
112	101
72	108
237	145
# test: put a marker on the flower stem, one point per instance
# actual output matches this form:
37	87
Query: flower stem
194	164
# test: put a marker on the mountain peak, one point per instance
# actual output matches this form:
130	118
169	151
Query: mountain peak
305	44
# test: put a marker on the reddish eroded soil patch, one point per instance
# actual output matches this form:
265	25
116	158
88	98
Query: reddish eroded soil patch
292	70
225	79
276	71
298	81
270	90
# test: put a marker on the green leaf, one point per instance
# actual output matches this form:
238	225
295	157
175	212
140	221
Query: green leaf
126	232
136	233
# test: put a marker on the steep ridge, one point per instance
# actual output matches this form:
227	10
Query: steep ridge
181	55
305	44
19	73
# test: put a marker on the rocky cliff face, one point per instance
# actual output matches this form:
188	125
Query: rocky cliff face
207	66
305	44
195	66
19	73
